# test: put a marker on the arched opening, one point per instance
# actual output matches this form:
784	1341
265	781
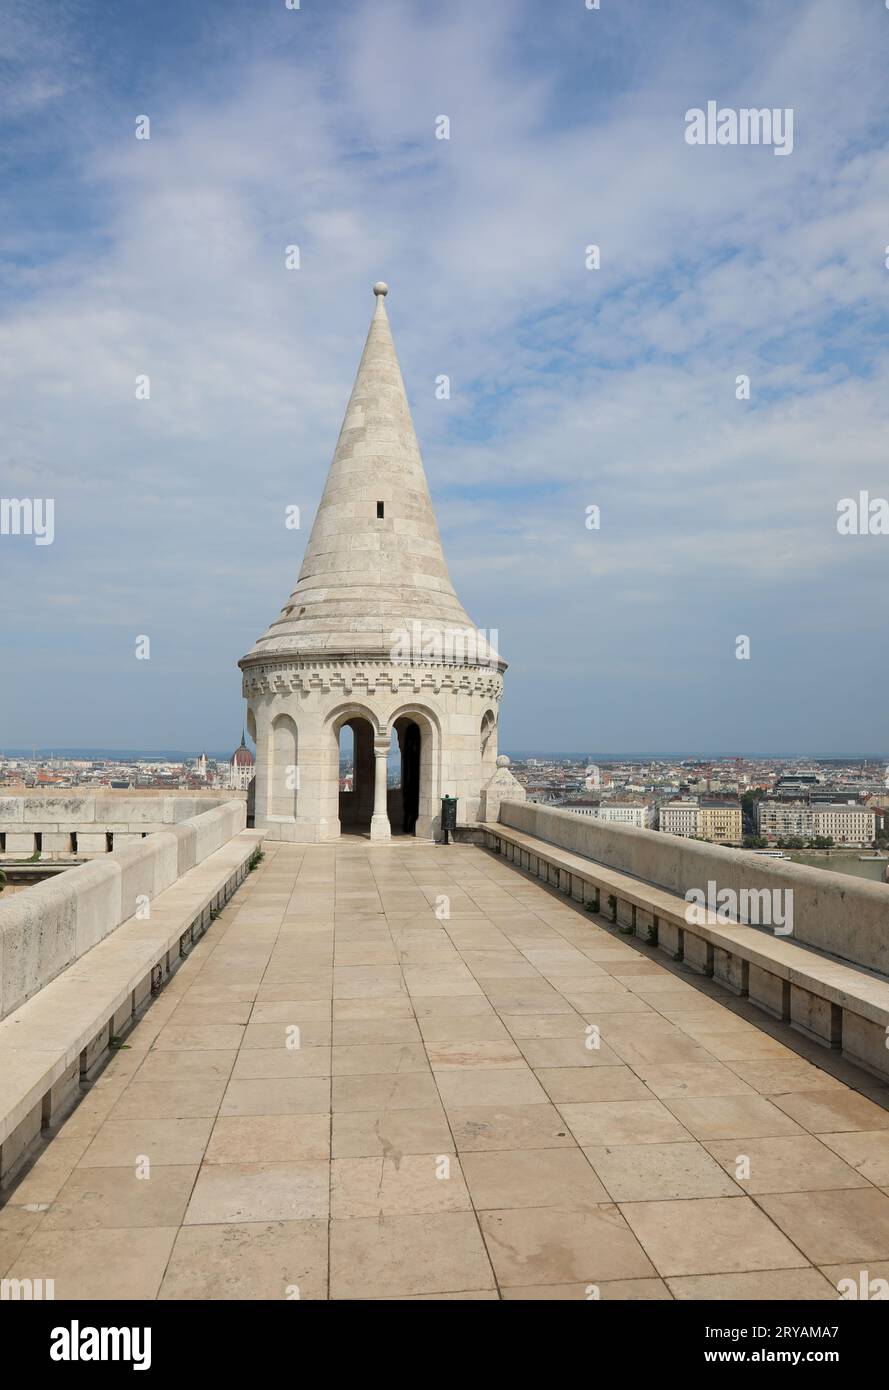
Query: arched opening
410	777
355	746
412	800
283	769
251	786
404	763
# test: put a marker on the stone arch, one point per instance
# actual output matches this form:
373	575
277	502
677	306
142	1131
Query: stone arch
415	809
283	760
351	810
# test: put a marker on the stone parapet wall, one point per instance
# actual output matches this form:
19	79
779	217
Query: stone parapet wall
846	916
91	818
833	1002
54	1045
56	922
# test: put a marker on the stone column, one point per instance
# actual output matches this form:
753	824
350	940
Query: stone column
262	790
379	825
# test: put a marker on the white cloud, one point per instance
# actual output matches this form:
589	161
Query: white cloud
614	387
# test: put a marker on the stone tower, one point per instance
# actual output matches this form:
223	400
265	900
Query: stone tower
374	637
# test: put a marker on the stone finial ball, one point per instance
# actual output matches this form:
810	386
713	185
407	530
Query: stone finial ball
381	288
503	761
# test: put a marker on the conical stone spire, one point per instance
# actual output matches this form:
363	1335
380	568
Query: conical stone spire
374	574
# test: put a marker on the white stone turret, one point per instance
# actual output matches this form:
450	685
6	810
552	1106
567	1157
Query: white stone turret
373	636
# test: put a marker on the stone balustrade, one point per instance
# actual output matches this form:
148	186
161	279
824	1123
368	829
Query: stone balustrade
85	824
81	957
825	995
55	922
849	917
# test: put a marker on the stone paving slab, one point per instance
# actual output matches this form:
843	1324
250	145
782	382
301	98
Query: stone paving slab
345	1094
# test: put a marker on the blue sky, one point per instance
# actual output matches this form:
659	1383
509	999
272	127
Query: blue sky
569	387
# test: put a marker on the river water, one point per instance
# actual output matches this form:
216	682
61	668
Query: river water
844	864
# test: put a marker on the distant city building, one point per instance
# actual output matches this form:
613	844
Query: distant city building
845	824
784	820
241	767
718	786
617	812
679	818
719	822
593	778
794	785
541	795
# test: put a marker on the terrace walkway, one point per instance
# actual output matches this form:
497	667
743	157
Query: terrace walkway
443	1129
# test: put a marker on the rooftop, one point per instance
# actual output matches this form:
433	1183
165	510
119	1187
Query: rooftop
373	569
444	1128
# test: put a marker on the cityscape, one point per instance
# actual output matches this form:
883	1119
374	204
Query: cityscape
764	804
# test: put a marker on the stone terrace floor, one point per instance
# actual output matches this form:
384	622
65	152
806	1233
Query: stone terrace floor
443	1130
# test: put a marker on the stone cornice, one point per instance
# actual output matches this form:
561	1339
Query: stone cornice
283	676
367	656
